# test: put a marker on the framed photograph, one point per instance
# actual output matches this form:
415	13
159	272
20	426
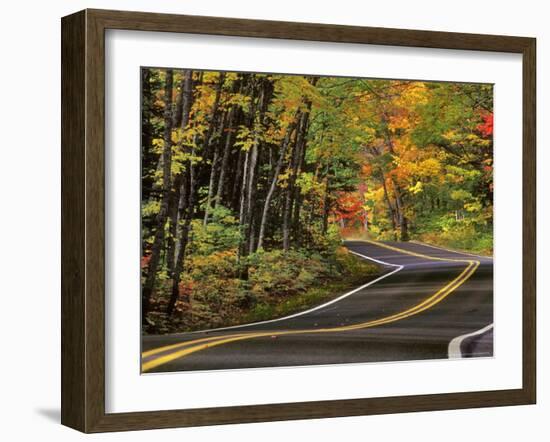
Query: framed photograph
268	220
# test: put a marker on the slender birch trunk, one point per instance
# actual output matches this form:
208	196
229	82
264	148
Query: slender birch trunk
149	284
273	184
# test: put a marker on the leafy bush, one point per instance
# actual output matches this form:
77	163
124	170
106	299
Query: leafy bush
221	233
221	264
324	243
212	294
350	266
214	301
469	234
214	291
278	274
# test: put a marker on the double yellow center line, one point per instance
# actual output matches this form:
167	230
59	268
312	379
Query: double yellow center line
176	351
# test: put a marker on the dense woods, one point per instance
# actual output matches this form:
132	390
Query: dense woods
250	181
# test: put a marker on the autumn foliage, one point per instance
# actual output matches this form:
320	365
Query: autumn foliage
251	181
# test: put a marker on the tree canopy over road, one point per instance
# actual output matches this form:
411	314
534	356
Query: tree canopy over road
249	181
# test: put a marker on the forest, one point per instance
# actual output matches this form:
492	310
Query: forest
250	182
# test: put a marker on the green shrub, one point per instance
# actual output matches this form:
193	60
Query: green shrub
221	233
222	264
278	274
212	293
462	235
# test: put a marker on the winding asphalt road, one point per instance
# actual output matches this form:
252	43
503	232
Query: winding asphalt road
429	303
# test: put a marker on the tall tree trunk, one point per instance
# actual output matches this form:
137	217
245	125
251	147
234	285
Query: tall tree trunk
213	169
173	224
184	237
181	119
252	236
146	129
391	209
225	158
400	209
149	285
185	193
148	155
257	120
326	205
182	211
244	186
208	141
242	205
295	226
289	194
239	181
401	218
235	192
208	203
273	185
292	207
178	110
290	190
212	117
297	195
251	186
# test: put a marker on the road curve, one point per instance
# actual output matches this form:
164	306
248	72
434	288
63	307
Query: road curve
430	303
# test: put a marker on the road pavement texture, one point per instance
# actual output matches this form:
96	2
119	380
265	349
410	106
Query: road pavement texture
429	303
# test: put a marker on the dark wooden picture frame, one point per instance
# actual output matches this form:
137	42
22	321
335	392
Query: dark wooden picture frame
83	220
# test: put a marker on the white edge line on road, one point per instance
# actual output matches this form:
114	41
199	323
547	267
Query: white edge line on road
449	250
319	307
454	346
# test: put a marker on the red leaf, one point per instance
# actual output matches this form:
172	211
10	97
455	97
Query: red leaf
486	128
